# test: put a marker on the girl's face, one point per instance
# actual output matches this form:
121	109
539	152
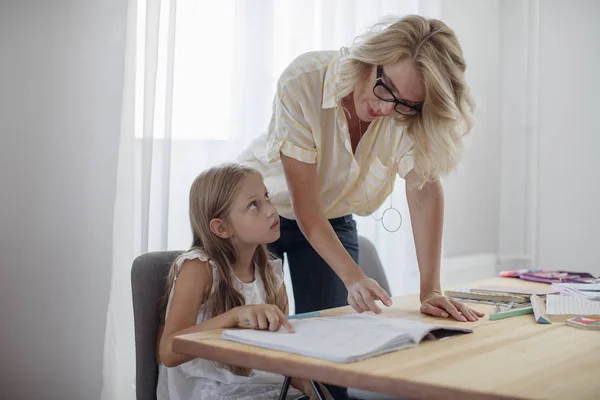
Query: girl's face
404	83
253	220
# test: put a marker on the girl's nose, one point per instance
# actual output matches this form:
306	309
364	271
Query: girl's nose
271	210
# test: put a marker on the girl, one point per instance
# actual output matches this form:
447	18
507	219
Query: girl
225	279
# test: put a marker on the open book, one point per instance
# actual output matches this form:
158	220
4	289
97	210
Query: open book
345	338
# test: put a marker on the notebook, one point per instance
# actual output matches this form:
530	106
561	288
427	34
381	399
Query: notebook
589	291
560	307
479	294
345	338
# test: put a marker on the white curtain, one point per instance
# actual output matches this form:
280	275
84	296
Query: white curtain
199	81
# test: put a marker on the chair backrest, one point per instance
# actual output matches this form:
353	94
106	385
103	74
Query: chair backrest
148	276
369	261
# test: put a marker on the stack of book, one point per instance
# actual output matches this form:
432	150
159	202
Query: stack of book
589	291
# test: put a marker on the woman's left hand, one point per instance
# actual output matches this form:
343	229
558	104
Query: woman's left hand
441	306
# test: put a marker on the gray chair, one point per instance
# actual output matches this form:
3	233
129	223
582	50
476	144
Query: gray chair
148	275
369	261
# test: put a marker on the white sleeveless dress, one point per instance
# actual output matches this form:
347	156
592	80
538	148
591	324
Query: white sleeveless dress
201	379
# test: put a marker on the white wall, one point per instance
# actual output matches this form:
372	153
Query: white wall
60	91
568	136
472	191
487	197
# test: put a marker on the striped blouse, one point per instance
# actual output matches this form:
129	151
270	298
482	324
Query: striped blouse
309	124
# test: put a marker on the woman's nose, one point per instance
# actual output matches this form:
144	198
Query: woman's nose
387	108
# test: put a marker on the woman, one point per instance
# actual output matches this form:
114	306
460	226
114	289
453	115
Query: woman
343	125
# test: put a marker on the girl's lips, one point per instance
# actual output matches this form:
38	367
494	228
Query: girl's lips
275	224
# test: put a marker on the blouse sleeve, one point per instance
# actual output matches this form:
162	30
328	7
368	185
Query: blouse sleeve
405	160
289	131
406	164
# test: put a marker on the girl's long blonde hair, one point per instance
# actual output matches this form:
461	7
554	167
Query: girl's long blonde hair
211	196
446	116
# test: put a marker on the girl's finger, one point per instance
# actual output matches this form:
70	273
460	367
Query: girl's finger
251	321
262	320
273	321
284	321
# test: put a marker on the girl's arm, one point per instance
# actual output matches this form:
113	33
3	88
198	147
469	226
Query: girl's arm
192	289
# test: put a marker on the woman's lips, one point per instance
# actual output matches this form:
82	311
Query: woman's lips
371	112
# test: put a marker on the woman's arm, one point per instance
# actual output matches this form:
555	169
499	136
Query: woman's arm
304	193
426	206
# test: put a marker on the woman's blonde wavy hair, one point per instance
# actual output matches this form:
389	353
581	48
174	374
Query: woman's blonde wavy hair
446	115
211	196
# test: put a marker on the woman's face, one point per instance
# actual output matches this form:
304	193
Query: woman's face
402	78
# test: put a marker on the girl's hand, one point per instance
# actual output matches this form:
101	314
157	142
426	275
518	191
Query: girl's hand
441	306
262	316
362	294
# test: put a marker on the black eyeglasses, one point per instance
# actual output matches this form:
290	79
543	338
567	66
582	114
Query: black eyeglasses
384	93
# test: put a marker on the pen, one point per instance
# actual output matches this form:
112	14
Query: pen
300	316
305	315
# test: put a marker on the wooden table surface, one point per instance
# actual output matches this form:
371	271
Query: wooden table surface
510	358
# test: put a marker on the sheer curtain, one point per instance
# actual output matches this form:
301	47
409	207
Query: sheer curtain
199	82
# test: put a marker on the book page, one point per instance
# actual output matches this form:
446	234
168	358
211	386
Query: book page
341	338
571	305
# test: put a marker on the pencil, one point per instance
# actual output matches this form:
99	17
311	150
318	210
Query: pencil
512	313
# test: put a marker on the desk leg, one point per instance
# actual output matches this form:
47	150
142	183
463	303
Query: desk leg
317	390
285	387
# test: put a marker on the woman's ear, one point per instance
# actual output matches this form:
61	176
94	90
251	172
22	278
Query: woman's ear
220	228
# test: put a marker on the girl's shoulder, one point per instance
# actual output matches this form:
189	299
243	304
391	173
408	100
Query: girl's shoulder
195	258
192	254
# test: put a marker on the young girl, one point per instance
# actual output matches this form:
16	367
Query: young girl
226	279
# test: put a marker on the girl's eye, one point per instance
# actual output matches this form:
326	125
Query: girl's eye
253	205
267	196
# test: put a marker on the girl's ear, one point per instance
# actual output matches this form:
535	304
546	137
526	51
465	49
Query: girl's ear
220	228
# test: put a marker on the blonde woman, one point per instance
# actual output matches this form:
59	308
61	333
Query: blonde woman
343	125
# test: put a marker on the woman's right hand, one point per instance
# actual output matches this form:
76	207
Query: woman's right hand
363	292
262	316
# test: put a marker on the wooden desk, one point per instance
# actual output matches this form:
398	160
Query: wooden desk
510	358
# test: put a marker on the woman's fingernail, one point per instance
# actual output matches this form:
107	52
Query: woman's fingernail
444	315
